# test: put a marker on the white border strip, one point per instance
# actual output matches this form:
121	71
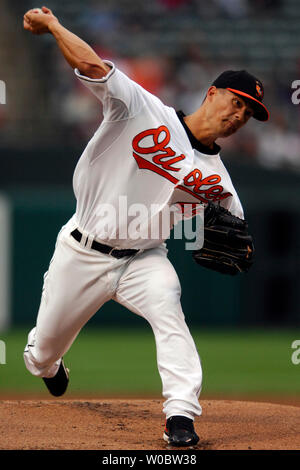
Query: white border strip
5	262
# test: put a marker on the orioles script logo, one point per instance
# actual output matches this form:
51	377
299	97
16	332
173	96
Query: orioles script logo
163	160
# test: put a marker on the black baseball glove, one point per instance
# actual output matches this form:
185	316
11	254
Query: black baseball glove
228	247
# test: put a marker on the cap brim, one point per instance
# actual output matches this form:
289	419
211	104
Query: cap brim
260	111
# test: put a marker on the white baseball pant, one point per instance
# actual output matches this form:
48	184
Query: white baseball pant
80	280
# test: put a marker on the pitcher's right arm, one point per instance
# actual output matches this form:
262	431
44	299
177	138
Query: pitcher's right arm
77	52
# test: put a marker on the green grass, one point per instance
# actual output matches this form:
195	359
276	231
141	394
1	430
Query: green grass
108	362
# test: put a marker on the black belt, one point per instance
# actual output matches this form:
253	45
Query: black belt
108	250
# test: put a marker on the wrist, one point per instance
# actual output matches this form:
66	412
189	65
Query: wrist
52	24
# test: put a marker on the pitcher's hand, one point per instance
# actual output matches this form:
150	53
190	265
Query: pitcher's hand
37	22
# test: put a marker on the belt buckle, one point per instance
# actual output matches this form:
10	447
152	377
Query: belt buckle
122	250
110	252
117	252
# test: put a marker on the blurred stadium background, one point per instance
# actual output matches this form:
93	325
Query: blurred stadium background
243	327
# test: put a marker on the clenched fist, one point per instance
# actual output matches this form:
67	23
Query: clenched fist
37	21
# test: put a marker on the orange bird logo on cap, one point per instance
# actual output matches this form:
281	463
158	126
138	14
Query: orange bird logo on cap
259	90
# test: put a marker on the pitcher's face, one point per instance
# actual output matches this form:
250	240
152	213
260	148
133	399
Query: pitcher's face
230	111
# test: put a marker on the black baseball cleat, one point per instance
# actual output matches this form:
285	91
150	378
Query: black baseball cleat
180	432
58	384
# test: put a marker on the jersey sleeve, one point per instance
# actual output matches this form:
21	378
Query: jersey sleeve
235	207
122	98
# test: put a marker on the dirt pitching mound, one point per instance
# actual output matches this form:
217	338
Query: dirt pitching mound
138	425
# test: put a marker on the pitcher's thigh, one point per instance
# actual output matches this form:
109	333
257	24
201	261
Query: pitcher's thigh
150	286
73	291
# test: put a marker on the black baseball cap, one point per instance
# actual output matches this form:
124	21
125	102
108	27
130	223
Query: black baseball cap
243	83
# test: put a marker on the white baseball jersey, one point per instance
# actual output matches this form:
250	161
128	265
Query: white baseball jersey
140	160
141	155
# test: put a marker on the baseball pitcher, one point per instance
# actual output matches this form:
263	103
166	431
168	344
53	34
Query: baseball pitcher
144	156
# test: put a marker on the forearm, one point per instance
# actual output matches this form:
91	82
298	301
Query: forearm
77	52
